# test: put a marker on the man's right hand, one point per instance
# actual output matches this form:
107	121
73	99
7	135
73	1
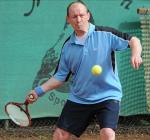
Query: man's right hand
31	97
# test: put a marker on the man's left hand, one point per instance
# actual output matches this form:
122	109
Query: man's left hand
136	61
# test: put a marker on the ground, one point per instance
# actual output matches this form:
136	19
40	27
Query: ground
15	136
130	131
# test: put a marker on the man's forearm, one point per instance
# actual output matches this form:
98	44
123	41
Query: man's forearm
51	84
136	48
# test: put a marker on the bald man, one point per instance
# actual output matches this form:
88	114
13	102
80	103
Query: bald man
89	96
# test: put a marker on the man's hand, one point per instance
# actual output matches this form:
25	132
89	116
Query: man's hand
32	97
136	61
136	51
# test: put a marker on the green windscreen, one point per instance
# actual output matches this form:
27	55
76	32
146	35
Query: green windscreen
32	33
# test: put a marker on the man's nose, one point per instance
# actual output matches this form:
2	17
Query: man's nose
78	18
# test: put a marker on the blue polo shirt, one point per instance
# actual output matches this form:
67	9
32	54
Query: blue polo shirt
78	58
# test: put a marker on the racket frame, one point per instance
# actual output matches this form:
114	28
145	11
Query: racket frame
19	105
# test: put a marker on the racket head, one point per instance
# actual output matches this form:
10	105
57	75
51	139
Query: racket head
17	114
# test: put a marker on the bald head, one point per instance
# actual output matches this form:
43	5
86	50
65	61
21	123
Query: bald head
74	4
78	16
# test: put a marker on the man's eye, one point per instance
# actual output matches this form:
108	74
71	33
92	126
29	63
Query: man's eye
74	17
81	16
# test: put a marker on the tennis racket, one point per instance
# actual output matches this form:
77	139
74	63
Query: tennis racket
18	113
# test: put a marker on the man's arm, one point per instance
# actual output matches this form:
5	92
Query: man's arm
136	51
51	84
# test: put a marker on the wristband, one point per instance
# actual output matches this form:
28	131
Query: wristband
39	91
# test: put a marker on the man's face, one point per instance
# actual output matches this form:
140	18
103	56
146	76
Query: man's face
78	17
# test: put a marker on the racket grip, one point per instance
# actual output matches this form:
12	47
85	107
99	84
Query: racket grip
29	99
39	91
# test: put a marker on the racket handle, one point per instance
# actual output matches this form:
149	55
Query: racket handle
31	97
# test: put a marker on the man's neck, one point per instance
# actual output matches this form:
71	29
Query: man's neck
80	33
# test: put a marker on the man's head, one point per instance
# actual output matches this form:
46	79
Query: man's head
78	16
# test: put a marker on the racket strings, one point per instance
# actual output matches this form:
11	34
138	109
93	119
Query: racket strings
18	115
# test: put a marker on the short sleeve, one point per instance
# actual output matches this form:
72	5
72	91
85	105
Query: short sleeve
118	43
62	69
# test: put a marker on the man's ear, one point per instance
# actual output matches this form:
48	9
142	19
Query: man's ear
88	16
68	20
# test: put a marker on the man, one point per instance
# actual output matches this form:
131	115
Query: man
89	95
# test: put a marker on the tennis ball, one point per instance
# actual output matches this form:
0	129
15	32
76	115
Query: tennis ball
96	70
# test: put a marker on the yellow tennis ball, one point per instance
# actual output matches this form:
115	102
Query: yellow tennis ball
96	70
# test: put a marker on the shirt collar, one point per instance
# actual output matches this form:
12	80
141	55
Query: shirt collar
73	38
